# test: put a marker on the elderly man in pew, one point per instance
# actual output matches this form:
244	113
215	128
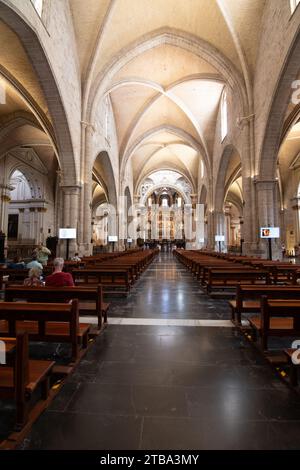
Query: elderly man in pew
59	278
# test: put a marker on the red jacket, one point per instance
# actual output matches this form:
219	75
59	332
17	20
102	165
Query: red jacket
59	280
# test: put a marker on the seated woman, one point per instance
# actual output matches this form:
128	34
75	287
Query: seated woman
16	263
34	278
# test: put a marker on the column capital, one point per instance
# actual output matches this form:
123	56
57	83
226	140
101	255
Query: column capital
6	187
5	198
265	184
88	125
295	202
71	189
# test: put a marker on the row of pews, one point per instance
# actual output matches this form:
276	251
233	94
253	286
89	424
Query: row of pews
266	297
116	272
219	271
52	315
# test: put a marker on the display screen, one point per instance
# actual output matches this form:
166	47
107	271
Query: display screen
129	240
67	233
112	238
269	232
220	238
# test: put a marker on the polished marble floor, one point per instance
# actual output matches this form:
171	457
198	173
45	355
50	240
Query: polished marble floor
167	291
153	384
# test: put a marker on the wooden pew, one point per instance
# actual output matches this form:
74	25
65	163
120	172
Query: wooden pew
222	278
21	379
277	318
62	294
248	297
221	267
112	278
15	275
46	322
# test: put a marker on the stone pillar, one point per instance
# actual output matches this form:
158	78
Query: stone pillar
85	212
4	201
21	224
296	216
41	236
220	229
228	235
249	227
210	223
71	211
122	223
268	211
188	226
32	225
242	235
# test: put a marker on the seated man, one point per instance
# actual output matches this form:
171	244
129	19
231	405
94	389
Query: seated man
34	263
58	278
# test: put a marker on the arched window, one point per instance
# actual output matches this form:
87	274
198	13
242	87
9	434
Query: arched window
21	187
38	5
294	4
224	123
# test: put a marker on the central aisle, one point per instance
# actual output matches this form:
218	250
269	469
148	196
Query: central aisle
170	387
168	291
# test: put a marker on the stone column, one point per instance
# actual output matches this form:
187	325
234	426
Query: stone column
220	228
70	211
267	204
228	235
21	224
122	223
296	216
85	212
32	225
41	235
210	230
188	225
5	199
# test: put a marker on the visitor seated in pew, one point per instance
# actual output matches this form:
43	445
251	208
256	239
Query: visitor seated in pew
17	263
34	278
59	278
76	258
34	263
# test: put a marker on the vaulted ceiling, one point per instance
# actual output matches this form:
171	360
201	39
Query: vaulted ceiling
165	97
